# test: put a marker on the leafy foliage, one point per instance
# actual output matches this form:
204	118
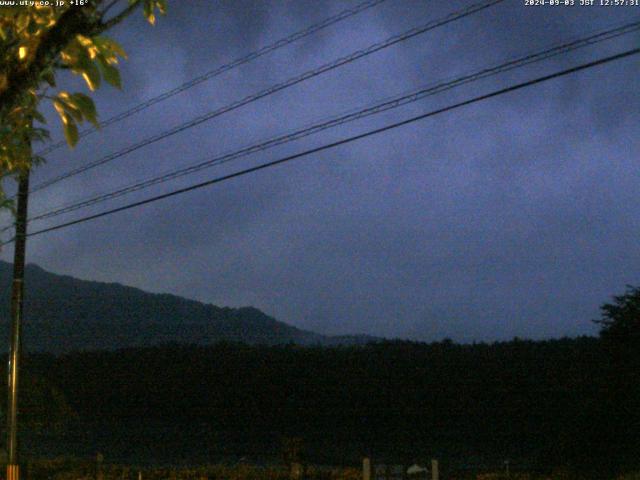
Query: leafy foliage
621	319
35	43
620	336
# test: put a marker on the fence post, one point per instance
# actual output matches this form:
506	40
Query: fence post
435	474
99	472
366	468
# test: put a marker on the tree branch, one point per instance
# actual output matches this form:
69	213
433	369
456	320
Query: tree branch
20	80
120	16
73	22
108	7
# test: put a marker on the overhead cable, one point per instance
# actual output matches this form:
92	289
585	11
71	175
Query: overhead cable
343	141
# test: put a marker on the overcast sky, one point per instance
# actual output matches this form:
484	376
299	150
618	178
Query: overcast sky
516	216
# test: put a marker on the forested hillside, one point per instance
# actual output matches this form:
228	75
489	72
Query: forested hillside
63	313
561	402
183	395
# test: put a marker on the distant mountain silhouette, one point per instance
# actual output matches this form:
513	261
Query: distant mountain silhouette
63	313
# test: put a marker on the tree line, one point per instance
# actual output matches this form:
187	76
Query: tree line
572	402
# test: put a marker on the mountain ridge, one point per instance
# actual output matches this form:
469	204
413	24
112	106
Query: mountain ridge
73	314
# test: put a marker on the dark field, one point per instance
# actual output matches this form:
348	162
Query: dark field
569	404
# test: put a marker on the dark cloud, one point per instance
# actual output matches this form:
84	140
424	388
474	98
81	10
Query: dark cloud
515	216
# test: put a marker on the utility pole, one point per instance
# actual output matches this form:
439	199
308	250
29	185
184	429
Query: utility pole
17	290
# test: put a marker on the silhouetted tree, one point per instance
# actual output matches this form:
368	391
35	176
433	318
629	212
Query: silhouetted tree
620	402
621	319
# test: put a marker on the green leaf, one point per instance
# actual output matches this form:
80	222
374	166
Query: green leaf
49	77
39	117
110	73
70	131
37	160
68	124
67	104
87	107
109	46
90	73
81	64
58	105
39	134
148	11
162	6
9	204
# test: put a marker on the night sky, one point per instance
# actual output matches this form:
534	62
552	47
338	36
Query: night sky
517	216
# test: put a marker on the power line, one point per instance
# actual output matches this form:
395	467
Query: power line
275	88
349	117
327	22
394	102
289	158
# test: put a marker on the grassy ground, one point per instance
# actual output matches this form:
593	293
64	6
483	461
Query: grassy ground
74	469
78	469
